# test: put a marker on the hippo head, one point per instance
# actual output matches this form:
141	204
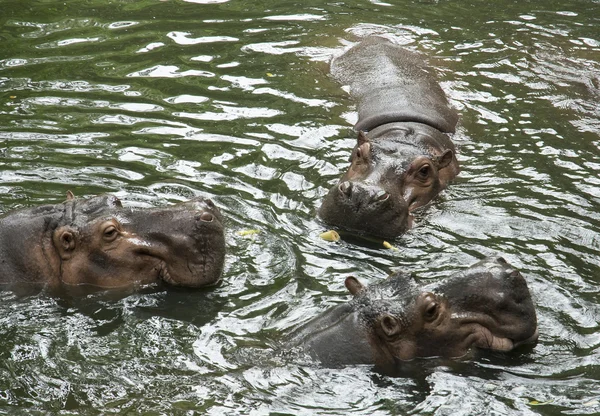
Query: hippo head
394	169
98	242
486	306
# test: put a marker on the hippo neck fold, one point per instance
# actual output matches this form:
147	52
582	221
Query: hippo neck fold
376	113
409	128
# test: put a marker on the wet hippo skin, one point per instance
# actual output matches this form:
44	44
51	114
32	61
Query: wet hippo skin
403	157
98	242
486	306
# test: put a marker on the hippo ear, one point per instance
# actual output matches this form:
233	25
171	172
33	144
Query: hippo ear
390	325
354	285
70	196
445	159
362	138
64	241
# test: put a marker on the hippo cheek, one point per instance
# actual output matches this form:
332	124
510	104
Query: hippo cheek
111	269
418	194
404	349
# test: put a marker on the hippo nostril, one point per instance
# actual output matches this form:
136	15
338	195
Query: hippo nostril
501	260
380	196
345	188
206	217
515	273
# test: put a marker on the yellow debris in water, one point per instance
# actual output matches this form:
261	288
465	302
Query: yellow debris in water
389	246
244	233
330	235
537	403
12	97
270	75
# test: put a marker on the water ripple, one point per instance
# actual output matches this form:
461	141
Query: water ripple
159	102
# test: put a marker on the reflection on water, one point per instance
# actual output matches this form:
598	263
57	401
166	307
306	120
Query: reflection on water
162	101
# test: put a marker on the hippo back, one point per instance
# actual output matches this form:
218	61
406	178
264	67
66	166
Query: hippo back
392	84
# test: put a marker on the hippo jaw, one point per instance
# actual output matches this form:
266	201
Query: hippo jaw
181	245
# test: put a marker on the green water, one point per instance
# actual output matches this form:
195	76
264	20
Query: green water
159	101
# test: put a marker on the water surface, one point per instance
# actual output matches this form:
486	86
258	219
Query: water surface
160	101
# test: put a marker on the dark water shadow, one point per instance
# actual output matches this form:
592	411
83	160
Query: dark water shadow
109	309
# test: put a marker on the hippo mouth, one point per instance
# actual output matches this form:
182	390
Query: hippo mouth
187	245
196	271
163	274
485	339
193	262
486	332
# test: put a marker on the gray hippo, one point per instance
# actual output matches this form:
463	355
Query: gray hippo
403	157
486	306
98	242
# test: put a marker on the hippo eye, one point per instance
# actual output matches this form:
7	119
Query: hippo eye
431	311
424	172
110	233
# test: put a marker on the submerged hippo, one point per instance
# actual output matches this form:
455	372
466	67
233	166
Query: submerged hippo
97	242
403	157
486	306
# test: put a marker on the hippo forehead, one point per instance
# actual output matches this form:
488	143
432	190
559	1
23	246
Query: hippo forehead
486	273
80	212
397	284
396	156
483	280
401	149
96	204
394	295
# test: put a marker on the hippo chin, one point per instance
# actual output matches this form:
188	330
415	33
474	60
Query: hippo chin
403	157
97	242
486	306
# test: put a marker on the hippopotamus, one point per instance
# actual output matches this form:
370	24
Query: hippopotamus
486	306
98	242
403	156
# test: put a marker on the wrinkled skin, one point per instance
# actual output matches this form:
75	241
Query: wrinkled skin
97	242
486	306
403	157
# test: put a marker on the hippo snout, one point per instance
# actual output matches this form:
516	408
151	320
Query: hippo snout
365	208
363	195
188	240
